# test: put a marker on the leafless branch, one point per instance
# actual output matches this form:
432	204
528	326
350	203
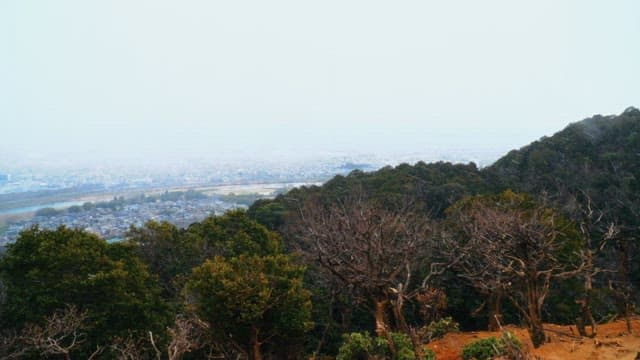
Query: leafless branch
61	333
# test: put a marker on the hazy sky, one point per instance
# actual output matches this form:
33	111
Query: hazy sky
177	78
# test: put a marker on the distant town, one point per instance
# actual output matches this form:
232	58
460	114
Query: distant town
111	220
108	200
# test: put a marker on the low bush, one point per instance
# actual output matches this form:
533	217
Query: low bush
438	329
356	346
429	354
485	349
482	349
361	346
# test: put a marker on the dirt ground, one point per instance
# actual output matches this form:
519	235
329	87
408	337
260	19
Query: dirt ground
612	342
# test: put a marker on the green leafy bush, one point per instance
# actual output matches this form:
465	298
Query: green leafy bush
491	347
429	354
357	346
438	329
403	346
483	349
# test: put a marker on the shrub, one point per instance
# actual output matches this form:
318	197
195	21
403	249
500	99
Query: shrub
438	329
403	346
491	347
429	354
511	346
357	346
483	349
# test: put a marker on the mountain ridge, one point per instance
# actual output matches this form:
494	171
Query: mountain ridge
579	157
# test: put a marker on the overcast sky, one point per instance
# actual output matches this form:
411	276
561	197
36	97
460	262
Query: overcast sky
106	79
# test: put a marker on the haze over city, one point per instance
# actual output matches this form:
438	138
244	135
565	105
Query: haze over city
162	81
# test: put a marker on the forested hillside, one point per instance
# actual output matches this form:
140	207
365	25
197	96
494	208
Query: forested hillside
600	155
369	265
589	172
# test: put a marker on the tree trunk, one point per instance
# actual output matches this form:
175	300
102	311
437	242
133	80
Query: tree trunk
392	345
627	316
623	290
581	321
536	330
380	313
580	326
256	352
417	343
494	306
398	315
587	313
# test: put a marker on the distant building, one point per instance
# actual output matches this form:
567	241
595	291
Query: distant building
4	178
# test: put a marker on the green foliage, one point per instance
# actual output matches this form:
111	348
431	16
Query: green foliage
429	354
252	297
483	349
268	213
432	187
235	233
491	347
403	346
439	328
171	253
358	346
168	252
46	270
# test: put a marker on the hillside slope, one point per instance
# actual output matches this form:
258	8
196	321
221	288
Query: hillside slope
598	155
612	343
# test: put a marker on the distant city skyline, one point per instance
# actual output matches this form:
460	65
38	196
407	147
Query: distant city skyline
163	81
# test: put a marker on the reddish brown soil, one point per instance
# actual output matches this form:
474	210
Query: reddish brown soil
612	342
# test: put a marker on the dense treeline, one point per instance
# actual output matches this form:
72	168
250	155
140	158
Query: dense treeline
220	287
547	233
589	173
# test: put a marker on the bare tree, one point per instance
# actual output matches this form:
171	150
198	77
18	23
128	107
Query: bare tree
129	348
10	347
596	233
60	334
372	251
474	266
611	224
514	247
187	335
